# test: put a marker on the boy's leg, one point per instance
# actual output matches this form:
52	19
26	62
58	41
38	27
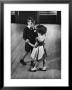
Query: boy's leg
25	55
27	49
22	60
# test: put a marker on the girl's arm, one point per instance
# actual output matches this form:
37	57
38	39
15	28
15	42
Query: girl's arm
31	44
36	44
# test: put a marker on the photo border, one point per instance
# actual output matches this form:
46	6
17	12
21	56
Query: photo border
2	27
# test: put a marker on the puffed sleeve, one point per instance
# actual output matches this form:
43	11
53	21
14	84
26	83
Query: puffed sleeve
35	33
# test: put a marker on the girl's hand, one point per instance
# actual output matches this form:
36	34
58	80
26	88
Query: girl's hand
27	40
35	46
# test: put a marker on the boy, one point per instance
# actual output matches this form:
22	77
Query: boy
29	35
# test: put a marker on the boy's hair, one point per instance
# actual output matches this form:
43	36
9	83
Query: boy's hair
32	20
41	29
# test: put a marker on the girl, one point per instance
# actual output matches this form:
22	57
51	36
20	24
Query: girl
39	52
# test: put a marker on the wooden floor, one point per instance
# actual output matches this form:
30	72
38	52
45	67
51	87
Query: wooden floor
53	47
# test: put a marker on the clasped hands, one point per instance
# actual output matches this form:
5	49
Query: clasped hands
27	41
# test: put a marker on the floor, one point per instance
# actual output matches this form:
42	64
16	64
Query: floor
53	47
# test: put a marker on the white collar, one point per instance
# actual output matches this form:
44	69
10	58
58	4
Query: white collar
28	26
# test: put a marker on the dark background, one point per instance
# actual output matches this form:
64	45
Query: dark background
42	17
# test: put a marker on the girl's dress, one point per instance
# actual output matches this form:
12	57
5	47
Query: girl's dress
39	52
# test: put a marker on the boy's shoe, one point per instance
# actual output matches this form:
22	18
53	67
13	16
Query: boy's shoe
22	62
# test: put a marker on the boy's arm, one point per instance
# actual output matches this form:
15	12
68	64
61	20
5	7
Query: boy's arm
25	33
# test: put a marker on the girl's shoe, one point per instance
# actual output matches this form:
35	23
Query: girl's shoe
44	69
34	69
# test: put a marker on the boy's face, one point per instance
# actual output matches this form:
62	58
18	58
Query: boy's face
29	22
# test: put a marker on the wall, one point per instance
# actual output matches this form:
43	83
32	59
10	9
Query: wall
20	17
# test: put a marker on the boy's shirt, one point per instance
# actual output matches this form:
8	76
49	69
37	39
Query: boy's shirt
31	34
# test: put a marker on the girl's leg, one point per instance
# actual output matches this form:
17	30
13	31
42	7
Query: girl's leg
32	64
34	61
44	65
44	60
35	66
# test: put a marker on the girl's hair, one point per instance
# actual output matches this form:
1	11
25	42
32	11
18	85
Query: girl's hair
41	29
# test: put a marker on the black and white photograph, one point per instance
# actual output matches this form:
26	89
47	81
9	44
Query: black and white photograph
36	44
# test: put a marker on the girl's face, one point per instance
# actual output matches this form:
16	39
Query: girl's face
39	34
29	22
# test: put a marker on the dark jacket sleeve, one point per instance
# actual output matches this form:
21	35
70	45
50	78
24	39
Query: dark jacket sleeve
25	34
